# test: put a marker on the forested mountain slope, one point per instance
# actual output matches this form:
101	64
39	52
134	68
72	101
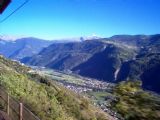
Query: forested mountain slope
44	97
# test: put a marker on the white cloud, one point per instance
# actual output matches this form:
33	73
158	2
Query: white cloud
10	37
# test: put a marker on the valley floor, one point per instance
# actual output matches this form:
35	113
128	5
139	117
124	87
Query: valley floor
98	92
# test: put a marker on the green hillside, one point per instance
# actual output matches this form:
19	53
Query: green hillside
44	97
135	104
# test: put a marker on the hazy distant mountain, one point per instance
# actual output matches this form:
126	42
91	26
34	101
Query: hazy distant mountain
18	48
10	37
64	56
23	47
113	59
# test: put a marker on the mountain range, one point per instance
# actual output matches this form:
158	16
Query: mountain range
114	59
23	47
19	48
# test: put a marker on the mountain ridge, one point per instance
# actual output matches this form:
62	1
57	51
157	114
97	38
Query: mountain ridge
121	55
91	59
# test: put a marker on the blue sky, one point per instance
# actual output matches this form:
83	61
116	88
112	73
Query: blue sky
54	19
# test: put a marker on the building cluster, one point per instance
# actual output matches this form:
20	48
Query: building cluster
87	85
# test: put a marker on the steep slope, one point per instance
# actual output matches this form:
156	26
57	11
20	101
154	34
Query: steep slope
103	65
65	56
22	47
44	97
114	59
94	58
146	64
146	68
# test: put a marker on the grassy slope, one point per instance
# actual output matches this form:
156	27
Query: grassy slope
43	97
